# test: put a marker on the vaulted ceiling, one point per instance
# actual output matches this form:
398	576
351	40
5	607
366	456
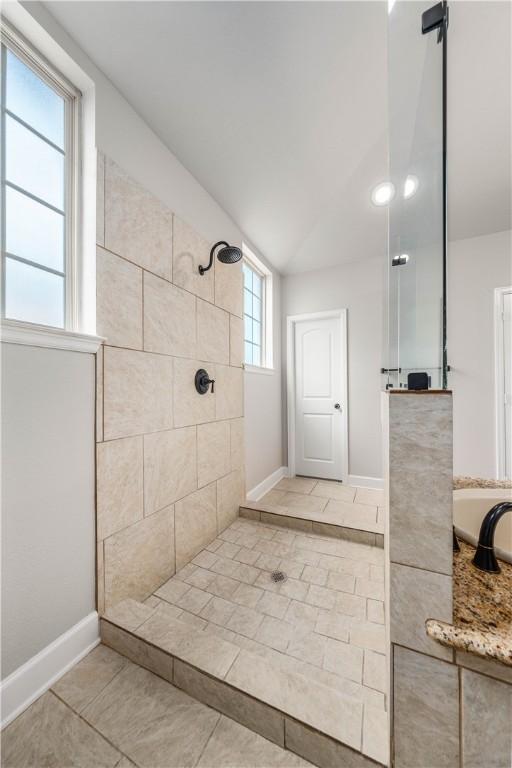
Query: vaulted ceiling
279	109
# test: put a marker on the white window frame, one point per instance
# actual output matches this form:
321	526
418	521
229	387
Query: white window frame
22	331
267	352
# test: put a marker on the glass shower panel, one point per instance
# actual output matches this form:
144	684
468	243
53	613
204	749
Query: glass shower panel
416	323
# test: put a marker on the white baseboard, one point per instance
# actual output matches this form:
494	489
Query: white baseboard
366	482
39	673
267	484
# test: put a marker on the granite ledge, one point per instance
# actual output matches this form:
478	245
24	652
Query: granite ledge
482	610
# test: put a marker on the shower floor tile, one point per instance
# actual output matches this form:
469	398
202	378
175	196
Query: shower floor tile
308	646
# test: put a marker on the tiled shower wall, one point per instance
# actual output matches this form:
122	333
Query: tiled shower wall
169	461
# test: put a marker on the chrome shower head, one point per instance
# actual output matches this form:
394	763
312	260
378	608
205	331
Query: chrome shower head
228	254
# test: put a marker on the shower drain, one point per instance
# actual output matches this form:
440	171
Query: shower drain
278	576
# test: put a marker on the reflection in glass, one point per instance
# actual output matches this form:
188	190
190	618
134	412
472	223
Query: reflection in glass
33	231
33	295
34	165
30	99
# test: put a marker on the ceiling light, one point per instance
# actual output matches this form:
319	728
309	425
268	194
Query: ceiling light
390	5
410	186
383	193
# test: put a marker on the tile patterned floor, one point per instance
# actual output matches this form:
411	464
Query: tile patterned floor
312	646
326	501
109	713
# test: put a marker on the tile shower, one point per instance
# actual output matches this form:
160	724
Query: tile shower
169	461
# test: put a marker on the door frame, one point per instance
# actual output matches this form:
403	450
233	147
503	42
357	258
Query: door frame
499	378
291	321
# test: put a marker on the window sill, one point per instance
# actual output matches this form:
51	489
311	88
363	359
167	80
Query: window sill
29	335
258	369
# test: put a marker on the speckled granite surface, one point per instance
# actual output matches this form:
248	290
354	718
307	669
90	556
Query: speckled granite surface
482	610
478	482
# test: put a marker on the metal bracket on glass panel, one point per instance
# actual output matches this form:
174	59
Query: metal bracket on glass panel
435	18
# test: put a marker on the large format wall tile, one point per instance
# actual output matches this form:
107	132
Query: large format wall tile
236	341
230	494
420	485
196	523
415	596
229	287
486	722
169	318
426	711
189	251
137	225
169	467
119	485
237	444
118	300
140	558
212	333
213	451
99	395
189	406
137	392
229	389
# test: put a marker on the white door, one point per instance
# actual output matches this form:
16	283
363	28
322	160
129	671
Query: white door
320	406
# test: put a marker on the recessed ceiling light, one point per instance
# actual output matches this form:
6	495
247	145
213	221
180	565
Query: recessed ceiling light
390	5
410	186
383	193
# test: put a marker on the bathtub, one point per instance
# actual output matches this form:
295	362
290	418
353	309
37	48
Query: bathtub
470	506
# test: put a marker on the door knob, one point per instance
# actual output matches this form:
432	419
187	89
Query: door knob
337	406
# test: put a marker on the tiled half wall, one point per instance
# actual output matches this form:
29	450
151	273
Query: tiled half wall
169	461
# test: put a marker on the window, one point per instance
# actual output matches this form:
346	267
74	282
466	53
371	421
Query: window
257	312
38	114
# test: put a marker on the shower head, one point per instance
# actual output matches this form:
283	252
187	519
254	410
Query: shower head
228	254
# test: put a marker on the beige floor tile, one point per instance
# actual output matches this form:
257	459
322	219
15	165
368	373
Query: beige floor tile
218	611
172	590
245	621
223	586
205	558
335	491
321	597
369	496
354	515
194	600
149	720
248	595
309	648
275	633
333	625
86	680
295	589
296	484
375	671
228	550
376	734
247	556
273	604
303	505
234	746
49	733
129	613
315	575
292	569
341	582
273	497
344	659
301	614
371	636
375	611
368	588
200	578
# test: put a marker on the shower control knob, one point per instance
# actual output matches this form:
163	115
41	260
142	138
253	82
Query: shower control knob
203	381
337	406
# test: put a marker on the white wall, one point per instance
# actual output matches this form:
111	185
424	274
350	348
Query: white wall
124	137
476	267
48	529
358	286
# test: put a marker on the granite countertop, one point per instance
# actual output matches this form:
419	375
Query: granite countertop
482	610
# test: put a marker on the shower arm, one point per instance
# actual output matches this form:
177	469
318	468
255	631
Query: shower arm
202	269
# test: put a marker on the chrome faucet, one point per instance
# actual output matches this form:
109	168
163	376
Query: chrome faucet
485	557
